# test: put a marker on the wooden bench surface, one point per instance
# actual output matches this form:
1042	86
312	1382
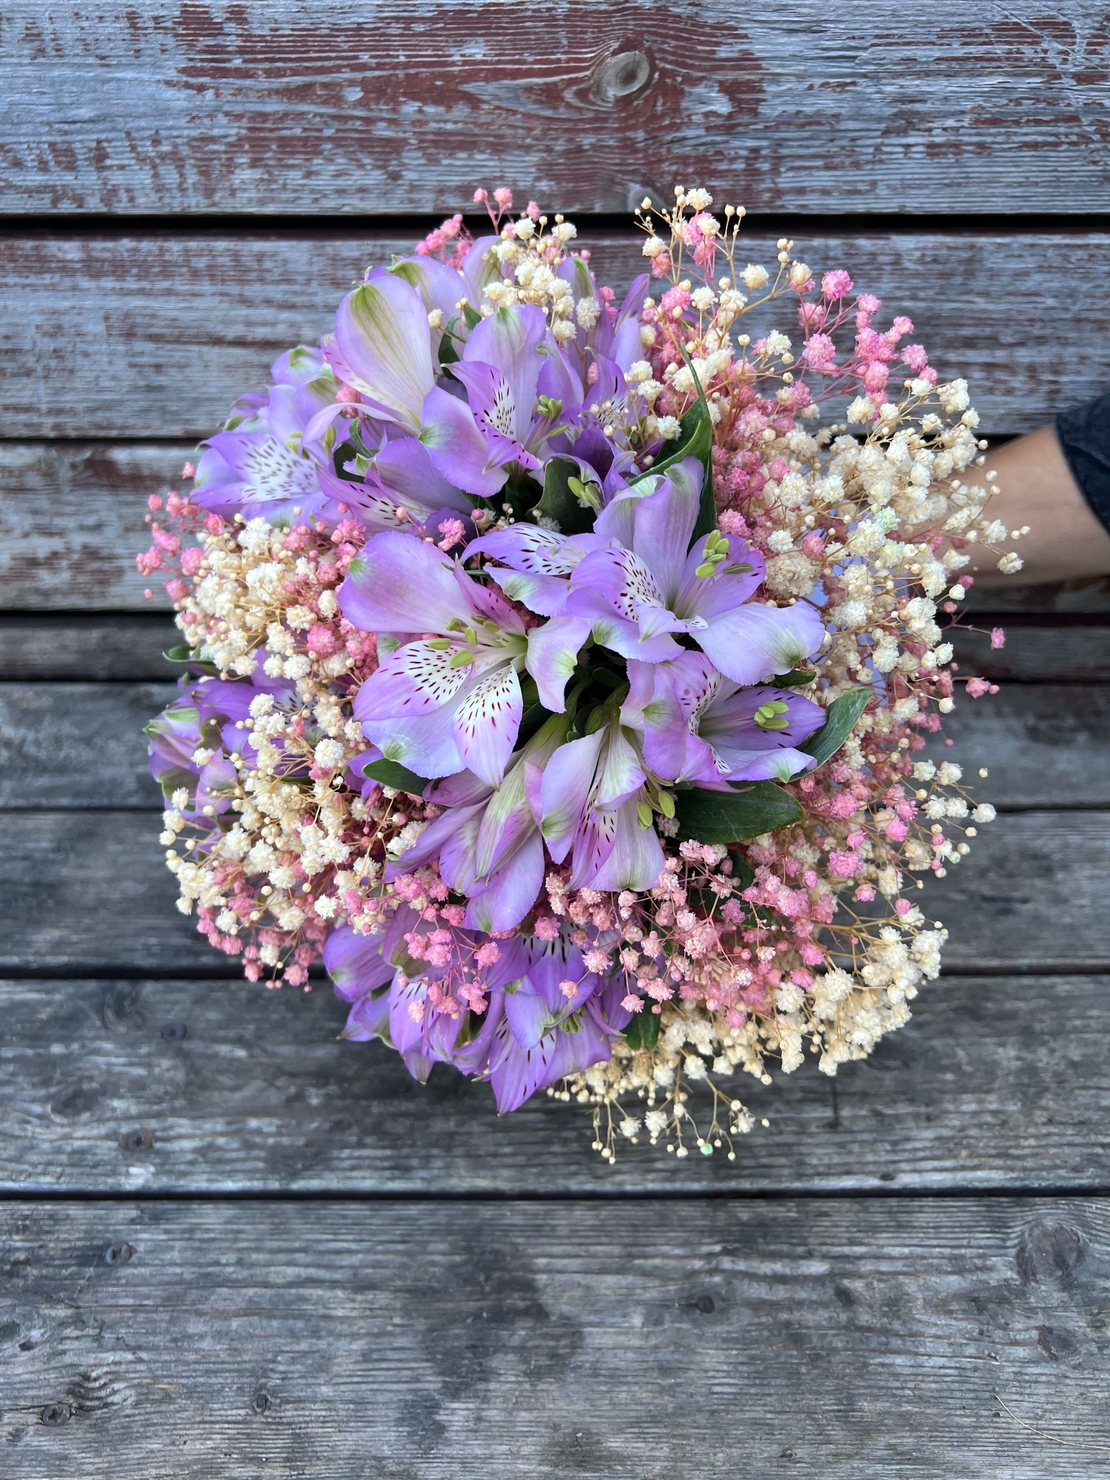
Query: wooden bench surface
232	1244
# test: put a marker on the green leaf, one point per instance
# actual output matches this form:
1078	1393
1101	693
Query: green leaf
842	716
400	778
695	439
797	678
733	816
559	503
183	653
643	1031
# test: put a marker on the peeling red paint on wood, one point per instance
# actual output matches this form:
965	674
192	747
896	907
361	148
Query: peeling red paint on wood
330	108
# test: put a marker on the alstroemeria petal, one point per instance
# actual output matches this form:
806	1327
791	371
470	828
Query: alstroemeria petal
355	963
754	641
405	468
663	524
487	722
619	773
367	1019
508	340
415	679
592	846
425	743
458	447
636	858
434	838
708	596
526	1015
511	891
530	547
553	656
382	333
567	783
515	1072
544	595
400	584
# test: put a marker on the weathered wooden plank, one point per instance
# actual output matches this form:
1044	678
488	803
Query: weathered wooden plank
93	646
78	745
81	744
1041	649
842	1338
250	1091
327	109
88	890
1091	594
71	523
153	335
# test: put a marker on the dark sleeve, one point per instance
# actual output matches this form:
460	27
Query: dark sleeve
1084	434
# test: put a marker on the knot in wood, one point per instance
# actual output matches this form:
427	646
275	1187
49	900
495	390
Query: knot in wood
138	1140
620	76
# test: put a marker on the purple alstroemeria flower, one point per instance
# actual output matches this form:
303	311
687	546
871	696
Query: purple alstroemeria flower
444	703
593	808
206	715
487	841
383	347
399	478
266	461
649	586
173	737
696	725
547	1016
503	420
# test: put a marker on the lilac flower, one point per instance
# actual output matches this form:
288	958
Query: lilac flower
267	459
698	726
595	808
487	841
445	703
649	585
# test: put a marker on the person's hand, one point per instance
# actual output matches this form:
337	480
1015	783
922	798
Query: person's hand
1036	489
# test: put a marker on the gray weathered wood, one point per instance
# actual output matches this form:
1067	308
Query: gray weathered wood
997	1082
104	646
78	745
1037	648
153	335
89	891
329	109
641	1341
81	745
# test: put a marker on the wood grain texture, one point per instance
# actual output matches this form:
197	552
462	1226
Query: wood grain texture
841	1339
154	335
328	108
1037	649
80	745
89	891
88	646
245	1090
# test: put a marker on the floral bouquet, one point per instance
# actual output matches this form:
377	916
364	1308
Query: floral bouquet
558	677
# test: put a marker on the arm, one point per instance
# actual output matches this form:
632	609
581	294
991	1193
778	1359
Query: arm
1036	488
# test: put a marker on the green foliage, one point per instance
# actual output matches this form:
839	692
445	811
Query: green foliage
842	716
733	816
393	774
561	501
643	1031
